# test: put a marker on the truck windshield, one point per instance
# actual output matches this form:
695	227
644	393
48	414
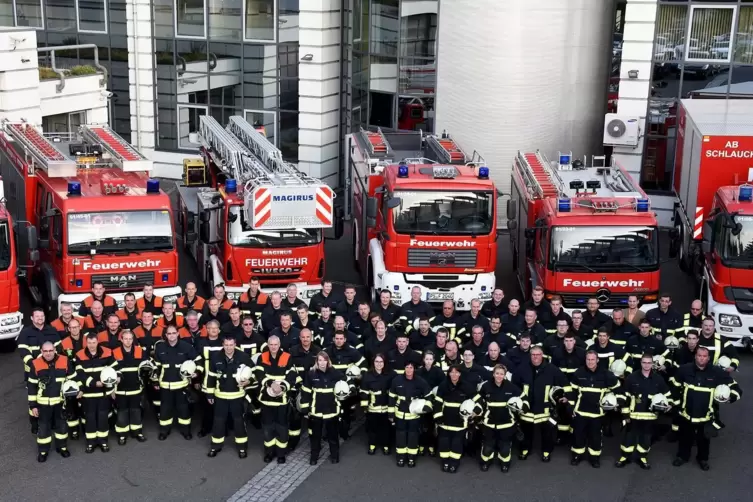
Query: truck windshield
739	248
444	213
622	248
121	231
240	233
4	245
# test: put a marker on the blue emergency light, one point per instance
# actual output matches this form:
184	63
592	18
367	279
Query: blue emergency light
164	277
483	173
746	193
564	160
79	283
74	188
642	205
564	205
397	288
152	186
402	171
231	186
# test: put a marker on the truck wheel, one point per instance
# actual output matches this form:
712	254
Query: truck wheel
354	234
208	279
681	258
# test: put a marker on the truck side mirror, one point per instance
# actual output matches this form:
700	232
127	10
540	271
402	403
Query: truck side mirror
706	246
512	210
338	226
204	217
32	243
512	225
190	237
204	233
371	208
394	202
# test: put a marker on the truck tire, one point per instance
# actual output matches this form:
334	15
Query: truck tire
354	234
682	259
208	280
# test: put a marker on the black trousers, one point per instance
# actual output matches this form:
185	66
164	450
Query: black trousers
587	436
637	438
96	420
346	414
229	410
378	430
129	414
406	437
545	430
450	446
274	425
207	415
73	413
295	423
318	427
428	438
174	403
688	433
51	421
497	441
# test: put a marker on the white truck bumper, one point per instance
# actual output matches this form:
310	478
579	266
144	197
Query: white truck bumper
305	291
76	299
471	286
736	326
10	325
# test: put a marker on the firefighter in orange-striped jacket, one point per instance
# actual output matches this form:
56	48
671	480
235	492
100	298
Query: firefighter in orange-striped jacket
110	337
169	317
69	347
253	301
96	401
149	302
61	323
148	334
190	300
46	376
97	295
128	357
225	302
129	315
96	320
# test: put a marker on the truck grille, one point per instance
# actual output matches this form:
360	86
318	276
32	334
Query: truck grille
124	281
454	258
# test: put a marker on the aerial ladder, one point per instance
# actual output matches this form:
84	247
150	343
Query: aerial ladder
446	149
537	173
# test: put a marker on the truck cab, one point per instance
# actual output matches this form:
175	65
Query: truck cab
10	315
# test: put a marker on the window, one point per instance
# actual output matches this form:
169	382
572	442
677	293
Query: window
671	26
91	16
59	16
240	233
225	20
189	19
744	37
64	122
357	20
385	27
264	121
710	33
443	213
188	122
259	20
110	232
29	13
601	247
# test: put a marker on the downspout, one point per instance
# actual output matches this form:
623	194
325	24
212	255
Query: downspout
344	110
136	73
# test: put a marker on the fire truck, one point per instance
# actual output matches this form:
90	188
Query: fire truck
256	215
582	231
424	214
10	317
712	236
97	214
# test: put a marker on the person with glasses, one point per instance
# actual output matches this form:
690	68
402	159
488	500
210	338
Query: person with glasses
691	320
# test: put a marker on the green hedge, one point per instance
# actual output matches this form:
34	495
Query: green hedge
77	71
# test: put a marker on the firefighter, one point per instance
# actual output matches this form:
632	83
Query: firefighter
381	343
638	391
129	315
539	304
303	319
582	331
234	326
225	388
505	341
447	319
401	353
533	327
110	336
441	336
403	390
691	320
343	356
478	343
169	356
212	311
474	373
451	425
249	340
90	362
169	317
643	343
451	356
434	376
270	316
291	302
588	386
694	392
29	344
537	377
557	314
494	357
717	344
149	302
498	426
569	356
148	334
61	323
664	319
70	345
96	320
322	406
414	308
204	348
606	350
221	296
286	332
253	301
46	376
348	308
360	324
620	331
324	327
514	320
322	298
471	319
387	310
303	356
128	393
190	300
522	353
685	354
497	305
422	338
276	376
556	341
374	393
98	294
193	331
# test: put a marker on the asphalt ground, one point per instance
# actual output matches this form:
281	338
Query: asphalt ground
180	470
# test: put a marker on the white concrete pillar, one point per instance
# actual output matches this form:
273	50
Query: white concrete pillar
19	77
141	74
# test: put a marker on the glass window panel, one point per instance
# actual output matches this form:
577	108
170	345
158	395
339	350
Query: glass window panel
357	20
287	13
225	89
189	17
704	76
223	114
288	144
260	20
418	33
385	27
381	108
417	76
665	81
29	13
60	14
92	15
188	122
659	145
225	19
164	17
362	43
383	74
167	126
710	33
671	25
6	13
744	37
264	121
116	18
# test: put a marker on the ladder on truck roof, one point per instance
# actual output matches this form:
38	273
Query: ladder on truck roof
122	153
446	149
40	150
227	151
376	142
538	175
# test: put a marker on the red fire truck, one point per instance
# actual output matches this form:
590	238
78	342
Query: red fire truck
98	215
713	217
424	214
255	214
582	231
10	317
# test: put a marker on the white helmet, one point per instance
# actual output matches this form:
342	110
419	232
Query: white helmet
70	388
434	390
187	368
618	367
478	387
108	376
659	402
342	389
255	359
353	371
147	366
515	404
609	401
589	342
467	407
417	406
659	361
416	322
724	362
722	393
671	342
244	373
271	392
556	394
508	376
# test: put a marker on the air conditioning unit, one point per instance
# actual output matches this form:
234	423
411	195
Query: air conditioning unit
620	130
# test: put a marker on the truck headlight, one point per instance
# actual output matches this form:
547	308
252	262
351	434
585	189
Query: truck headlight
730	320
484	296
172	298
310	293
11	319
233	296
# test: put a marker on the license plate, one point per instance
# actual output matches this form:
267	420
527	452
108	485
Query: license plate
439	296
442	259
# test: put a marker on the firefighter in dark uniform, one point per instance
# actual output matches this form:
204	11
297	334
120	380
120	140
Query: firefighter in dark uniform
96	396
638	390
360	324
291	302
448	319
497	305
193	330
128	393
226	390
539	304
514	320
594	318
606	350
451	425
402	353
70	345
691	320
556	340
303	355
303	318
498	421
169	355
684	354
718	346
533	327
569	358
324	297
342	356
497	335
270	316
190	300
664	319
276	375
387	310
149	302
403	390
204	348
471	319
537	377
587	387
109	305
374	393
253	302
129	315
234	327
694	387
413	309
322	406
381	343
643	343
213	312
348	308
324	327
46	376
249	340
620	331
557	314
